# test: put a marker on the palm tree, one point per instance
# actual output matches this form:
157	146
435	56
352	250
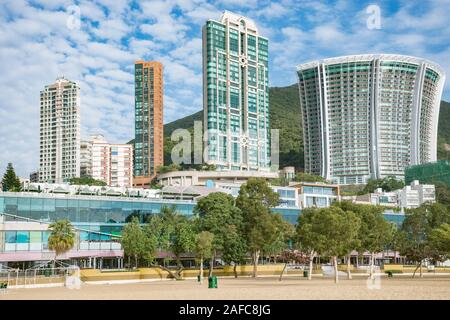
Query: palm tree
62	237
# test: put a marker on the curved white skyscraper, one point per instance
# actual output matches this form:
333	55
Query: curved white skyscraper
369	116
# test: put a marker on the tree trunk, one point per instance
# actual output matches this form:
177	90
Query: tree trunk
419	266
311	260
421	274
372	262
282	271
211	264
255	263
349	274
201	269
176	275
336	274
357	262
178	259
234	270
135	261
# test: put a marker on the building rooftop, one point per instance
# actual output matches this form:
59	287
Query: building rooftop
236	18
368	57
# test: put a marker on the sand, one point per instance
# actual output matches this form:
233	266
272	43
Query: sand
436	287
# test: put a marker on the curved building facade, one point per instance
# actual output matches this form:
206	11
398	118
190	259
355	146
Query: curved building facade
369	116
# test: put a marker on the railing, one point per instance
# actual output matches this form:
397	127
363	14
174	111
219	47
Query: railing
111	244
43	247
91	197
47	223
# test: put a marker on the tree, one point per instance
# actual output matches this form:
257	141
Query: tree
255	200
307	177
217	214
203	248
440	240
387	184
414	240
442	193
375	232
182	238
172	233
281	239
10	181
87	181
62	237
339	230
293	256
235	249
308	237
150	244
169	168
133	240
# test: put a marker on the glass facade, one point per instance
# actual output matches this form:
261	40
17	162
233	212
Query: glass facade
368	116
84	209
96	214
236	94
15	240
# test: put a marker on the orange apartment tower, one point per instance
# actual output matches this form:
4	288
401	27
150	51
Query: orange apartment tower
148	125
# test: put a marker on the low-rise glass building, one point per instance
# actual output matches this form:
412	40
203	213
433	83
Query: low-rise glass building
25	216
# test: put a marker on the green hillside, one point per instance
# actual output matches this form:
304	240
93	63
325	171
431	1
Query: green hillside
285	116
443	148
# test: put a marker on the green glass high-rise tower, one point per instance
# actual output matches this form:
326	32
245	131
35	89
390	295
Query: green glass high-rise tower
236	94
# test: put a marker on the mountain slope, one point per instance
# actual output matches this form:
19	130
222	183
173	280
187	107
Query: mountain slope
443	147
285	115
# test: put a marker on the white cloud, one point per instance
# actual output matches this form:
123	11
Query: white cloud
328	34
274	10
251	4
165	30
36	46
112	29
190	53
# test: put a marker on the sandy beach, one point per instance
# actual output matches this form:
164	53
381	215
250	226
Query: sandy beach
436	287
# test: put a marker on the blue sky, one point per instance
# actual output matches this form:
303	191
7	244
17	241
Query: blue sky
40	41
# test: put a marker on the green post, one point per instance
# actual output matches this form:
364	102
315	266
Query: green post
305	274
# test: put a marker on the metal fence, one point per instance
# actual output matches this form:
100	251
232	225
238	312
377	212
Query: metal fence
44	274
9	277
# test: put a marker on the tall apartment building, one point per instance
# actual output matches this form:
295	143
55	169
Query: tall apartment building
148	139
108	162
236	94
59	132
369	116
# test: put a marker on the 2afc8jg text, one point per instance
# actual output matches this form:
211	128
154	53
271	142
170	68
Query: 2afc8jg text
239	309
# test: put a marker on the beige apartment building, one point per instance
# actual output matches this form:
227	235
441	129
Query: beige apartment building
59	158
108	162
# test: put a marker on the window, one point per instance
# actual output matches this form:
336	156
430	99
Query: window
10	237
